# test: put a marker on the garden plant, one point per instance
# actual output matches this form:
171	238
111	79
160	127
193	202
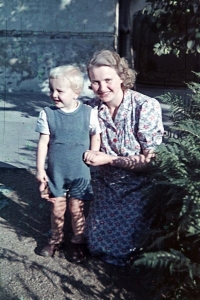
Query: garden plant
169	250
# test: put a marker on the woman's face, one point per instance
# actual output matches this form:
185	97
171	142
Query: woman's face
106	84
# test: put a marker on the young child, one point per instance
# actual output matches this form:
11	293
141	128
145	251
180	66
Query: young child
67	130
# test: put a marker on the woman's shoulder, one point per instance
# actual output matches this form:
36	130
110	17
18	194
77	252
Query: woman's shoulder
140	98
93	102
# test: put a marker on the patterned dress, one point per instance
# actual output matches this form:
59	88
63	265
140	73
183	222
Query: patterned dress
116	219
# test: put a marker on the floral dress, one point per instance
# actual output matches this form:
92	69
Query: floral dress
115	219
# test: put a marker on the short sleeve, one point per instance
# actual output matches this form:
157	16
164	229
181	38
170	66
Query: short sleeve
150	126
94	122
42	124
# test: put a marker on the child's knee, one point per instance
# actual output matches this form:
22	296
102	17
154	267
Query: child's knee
76	207
59	205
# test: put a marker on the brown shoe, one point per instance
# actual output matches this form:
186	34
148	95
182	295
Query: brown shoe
78	253
50	249
79	239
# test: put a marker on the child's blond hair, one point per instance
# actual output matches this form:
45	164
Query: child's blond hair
72	73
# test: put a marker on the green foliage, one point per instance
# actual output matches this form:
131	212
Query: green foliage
170	248
178	24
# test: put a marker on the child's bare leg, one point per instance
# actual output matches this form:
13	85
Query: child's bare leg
57	223
57	219
78	250
76	208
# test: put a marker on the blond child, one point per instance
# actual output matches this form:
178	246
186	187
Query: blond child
66	130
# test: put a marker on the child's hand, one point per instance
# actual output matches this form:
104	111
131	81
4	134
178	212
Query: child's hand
43	188
45	192
41	176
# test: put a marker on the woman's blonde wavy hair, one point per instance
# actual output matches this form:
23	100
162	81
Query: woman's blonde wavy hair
113	60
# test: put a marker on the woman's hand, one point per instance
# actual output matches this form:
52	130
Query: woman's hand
96	158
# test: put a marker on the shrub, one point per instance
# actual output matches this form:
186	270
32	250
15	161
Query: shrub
170	249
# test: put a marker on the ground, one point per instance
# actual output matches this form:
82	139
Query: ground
24	275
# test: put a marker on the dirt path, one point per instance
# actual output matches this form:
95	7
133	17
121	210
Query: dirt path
24	275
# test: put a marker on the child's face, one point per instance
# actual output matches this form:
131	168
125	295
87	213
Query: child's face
62	94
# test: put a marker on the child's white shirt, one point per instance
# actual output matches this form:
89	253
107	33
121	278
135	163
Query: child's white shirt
43	127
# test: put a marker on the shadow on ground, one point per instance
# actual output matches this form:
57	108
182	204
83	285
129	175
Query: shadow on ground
29	104
25	224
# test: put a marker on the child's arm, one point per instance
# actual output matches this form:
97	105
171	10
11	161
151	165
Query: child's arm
95	141
41	158
95	131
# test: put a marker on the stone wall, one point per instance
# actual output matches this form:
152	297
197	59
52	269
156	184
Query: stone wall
38	35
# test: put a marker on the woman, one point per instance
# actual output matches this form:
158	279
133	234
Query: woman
131	125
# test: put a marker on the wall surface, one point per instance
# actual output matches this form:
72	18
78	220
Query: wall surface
38	35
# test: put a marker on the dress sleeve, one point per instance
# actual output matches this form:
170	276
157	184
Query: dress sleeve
42	124
150	126
94	122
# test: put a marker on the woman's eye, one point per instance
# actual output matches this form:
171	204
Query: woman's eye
108	80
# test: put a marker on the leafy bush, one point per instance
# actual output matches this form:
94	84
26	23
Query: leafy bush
170	249
178	23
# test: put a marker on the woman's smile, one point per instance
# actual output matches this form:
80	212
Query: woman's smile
103	94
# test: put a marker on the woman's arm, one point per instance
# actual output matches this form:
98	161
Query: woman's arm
134	162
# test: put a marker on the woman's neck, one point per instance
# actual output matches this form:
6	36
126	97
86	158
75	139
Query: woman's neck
114	105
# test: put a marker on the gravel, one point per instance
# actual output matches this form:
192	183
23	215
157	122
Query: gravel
24	275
